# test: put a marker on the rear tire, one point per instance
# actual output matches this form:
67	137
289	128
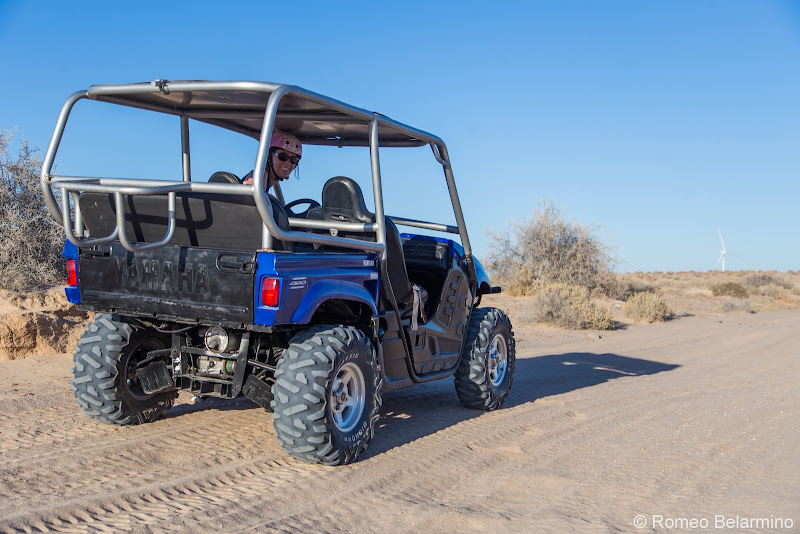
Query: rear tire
104	378
483	378
327	394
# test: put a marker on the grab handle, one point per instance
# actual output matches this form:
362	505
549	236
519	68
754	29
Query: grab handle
123	238
67	224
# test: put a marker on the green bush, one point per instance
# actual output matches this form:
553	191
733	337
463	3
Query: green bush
729	289
569	306
647	306
547	249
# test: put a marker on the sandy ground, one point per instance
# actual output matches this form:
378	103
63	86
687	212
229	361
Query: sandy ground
690	419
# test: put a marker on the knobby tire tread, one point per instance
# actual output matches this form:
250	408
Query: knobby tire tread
95	383
301	416
472	382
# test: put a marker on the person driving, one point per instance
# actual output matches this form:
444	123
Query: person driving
285	151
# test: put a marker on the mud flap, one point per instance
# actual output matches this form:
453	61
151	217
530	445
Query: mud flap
258	391
155	378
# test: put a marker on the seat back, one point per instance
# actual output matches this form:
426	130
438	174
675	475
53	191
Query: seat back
204	220
343	201
396	265
222	177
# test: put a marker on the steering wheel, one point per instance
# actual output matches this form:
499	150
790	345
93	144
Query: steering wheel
301	215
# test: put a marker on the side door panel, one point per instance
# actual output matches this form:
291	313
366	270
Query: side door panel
436	345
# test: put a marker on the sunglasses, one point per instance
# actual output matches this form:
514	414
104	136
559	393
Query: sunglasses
283	156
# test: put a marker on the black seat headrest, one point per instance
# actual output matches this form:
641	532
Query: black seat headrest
222	177
342	200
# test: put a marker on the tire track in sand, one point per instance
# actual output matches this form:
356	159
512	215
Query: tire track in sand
443	466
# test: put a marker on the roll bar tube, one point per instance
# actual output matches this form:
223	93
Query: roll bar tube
271	230
186	160
50	155
123	238
377	188
71	237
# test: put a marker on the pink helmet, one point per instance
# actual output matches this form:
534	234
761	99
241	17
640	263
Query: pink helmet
286	141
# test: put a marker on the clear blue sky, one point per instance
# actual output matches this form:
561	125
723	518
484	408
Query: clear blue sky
658	121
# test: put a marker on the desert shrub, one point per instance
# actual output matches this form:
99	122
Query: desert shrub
569	306
622	286
613	286
730	305
548	249
729	289
646	306
774	291
32	241
766	279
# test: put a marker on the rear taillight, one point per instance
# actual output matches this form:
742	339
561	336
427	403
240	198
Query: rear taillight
72	273
270	291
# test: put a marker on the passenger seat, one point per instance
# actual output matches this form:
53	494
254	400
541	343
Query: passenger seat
343	201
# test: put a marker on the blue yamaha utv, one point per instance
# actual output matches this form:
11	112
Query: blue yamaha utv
220	289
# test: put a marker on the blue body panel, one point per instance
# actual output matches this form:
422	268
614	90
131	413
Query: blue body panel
323	290
309	279
266	268
483	278
73	292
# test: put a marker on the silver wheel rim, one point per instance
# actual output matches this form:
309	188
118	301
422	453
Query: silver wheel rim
346	398
498	360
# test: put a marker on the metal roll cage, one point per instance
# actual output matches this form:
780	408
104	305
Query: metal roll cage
146	96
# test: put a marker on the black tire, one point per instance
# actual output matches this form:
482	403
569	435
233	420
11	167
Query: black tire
104	379
483	378
326	395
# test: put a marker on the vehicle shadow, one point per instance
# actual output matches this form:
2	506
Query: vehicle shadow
428	408
211	403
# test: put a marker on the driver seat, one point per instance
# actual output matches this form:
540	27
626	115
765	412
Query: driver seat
343	201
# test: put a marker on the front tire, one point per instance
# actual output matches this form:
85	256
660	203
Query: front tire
326	395
104	377
483	378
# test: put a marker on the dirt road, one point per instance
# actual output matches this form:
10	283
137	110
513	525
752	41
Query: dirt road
693	419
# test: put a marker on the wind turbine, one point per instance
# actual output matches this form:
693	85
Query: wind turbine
723	252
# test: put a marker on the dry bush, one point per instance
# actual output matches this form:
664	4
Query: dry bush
729	289
548	249
569	306
730	305
622	286
774	291
612	286
766	279
647	306
32	242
